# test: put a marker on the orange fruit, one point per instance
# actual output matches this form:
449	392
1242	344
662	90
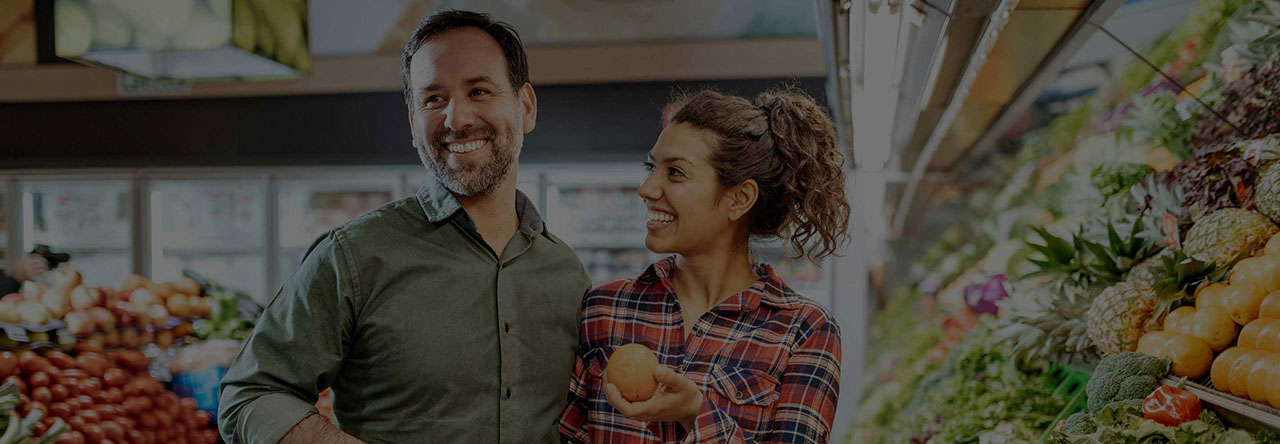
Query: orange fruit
1153	344
1259	376
1213	325
1270	307
1221	371
1174	321
1191	356
630	369
1249	334
1243	302
1269	337
1212	294
1238	380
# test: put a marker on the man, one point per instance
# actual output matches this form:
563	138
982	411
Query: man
451	316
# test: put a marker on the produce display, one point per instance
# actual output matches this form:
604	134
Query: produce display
140	312
1134	238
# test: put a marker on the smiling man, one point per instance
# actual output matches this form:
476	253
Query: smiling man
450	316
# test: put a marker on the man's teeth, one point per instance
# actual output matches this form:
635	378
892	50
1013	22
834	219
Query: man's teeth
657	216
466	147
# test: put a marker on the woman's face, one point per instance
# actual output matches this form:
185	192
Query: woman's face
688	213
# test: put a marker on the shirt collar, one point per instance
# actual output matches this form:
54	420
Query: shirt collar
768	289
439	204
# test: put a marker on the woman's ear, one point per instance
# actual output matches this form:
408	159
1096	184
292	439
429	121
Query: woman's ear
741	198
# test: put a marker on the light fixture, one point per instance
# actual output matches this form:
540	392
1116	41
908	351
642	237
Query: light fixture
187	39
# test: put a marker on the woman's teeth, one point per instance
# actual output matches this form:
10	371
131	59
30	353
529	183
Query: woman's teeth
460	148
658	216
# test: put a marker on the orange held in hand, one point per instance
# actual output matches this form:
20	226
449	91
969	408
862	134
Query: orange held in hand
630	369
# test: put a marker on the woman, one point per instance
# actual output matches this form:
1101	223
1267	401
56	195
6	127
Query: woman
742	357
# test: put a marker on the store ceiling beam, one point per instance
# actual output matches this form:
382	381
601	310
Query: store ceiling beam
597	64
1024	54
1098	12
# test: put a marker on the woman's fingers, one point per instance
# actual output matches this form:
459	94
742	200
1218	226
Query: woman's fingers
616	400
668	377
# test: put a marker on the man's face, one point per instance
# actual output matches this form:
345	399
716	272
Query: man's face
468	121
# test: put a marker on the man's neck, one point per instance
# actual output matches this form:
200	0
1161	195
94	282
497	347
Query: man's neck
494	214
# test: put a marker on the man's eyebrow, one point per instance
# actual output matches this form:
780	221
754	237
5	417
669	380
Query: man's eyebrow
479	79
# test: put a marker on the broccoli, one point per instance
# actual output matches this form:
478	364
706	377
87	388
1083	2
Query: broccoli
1080	423
1117	378
1113	179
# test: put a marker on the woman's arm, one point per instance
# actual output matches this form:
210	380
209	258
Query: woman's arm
806	406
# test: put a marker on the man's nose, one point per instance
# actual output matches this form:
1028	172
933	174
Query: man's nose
460	115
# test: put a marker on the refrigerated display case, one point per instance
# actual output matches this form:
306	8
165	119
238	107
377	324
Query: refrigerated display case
307	208
4	230
215	228
89	219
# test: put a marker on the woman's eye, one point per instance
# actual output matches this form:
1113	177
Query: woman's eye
675	172
648	166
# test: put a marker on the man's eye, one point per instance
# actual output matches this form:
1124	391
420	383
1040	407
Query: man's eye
478	92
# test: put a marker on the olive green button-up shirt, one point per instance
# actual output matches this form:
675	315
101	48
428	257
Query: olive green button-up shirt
422	332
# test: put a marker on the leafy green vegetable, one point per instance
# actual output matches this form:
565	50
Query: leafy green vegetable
1120	377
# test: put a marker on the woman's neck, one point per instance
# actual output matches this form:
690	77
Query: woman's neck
705	280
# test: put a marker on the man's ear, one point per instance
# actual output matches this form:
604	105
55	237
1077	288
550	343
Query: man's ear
529	106
742	198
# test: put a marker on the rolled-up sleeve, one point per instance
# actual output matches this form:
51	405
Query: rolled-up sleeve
294	351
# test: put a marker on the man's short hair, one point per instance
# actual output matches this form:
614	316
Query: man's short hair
506	36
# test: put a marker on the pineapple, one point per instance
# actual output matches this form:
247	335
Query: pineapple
1228	235
1047	326
1148	272
1116	319
1268	195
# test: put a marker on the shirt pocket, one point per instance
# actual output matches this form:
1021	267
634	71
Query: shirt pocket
748	395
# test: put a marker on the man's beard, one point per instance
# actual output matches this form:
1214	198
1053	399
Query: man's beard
472	179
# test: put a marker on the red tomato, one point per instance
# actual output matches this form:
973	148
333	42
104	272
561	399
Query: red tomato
17	382
112	430
114	395
115	378
39	379
1171	406
90	386
188	404
105	411
60	410
135	436
90	416
148	420
75	373
202	419
210	436
8	364
42	395
163	418
77	423
39	428
93	433
26	358
71	437
60	392
100	396
61	360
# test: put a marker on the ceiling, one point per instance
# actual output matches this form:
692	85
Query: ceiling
344	27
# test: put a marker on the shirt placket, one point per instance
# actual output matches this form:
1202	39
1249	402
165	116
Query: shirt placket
507	315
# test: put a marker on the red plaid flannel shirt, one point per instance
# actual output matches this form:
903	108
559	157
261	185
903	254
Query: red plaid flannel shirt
767	361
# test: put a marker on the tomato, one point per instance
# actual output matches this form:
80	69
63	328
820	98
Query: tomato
105	411
114	395
100	396
61	360
135	436
8	364
17	382
26	358
77	423
115	378
60	410
85	401
90	416
93	433
93	363
75	373
188	404
90	386
202	419
71	437
112	430
210	436
146	404
39	379
163	418
39	428
60	392
148	420
1171	406
42	395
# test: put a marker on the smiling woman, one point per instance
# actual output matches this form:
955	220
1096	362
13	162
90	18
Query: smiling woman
742	357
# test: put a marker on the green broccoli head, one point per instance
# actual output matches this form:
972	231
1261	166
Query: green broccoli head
1080	423
1117	377
1136	387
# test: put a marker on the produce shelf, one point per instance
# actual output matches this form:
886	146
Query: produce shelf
1234	410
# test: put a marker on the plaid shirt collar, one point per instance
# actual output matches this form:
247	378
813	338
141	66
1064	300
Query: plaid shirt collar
768	289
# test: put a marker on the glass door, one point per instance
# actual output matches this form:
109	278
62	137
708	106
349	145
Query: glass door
215	228
91	220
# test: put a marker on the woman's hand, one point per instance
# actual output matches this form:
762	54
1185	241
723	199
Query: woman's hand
677	399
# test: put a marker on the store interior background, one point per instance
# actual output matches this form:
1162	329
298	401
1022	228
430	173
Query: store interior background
233	180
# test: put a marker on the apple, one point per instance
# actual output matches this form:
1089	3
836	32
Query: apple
57	299
66	276
83	298
133	282
143	298
103	318
33	313
79	322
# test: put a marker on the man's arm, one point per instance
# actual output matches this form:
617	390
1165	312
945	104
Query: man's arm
293	353
317	430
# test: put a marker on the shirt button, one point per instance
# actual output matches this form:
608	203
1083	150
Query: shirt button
738	394
507	326
508	392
